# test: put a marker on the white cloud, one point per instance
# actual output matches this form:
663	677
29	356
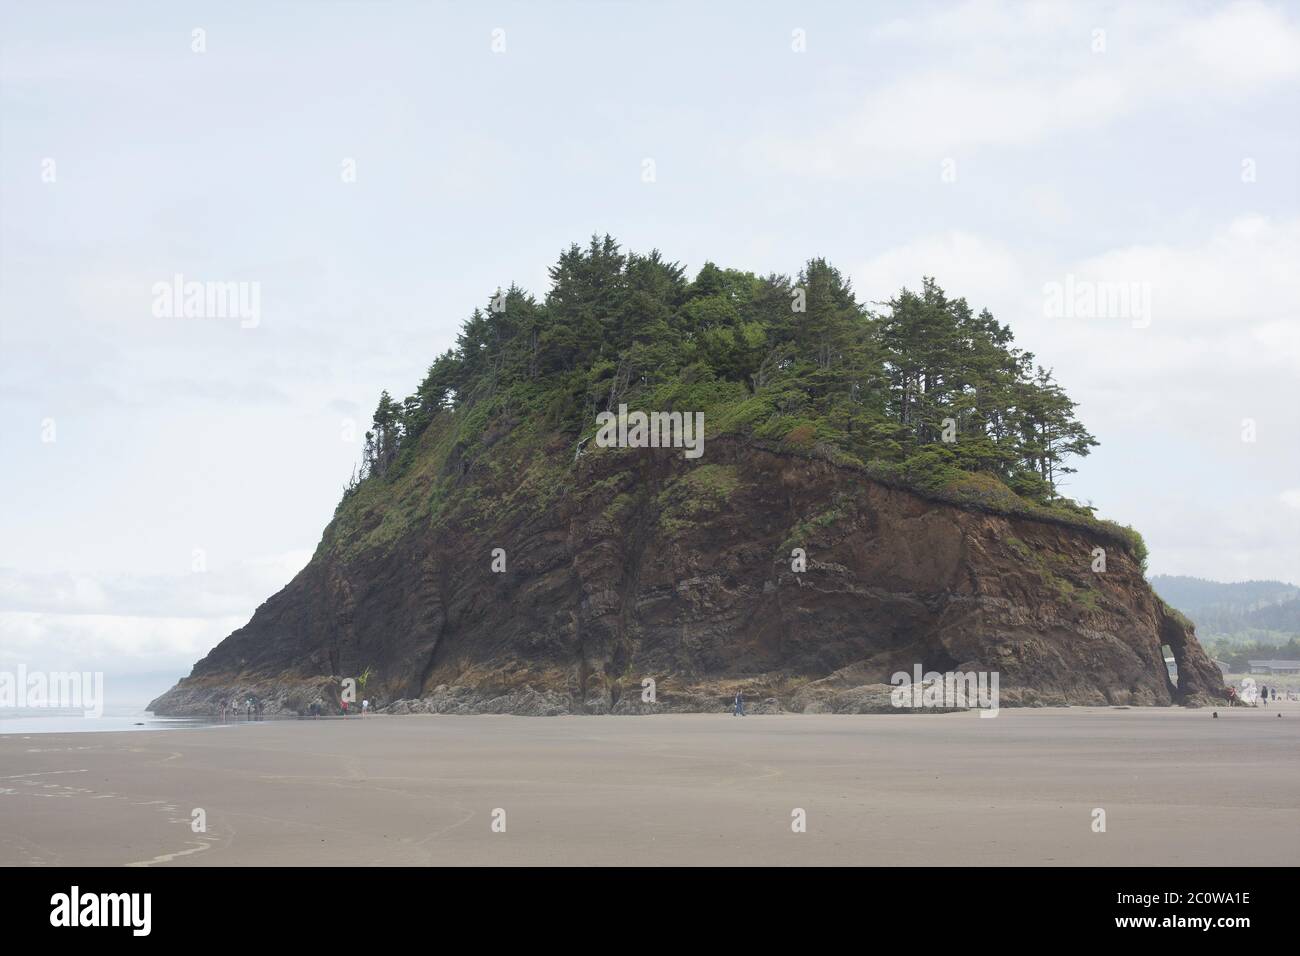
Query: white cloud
1241	275
220	592
128	625
1245	46
1015	77
1230	298
981	269
101	641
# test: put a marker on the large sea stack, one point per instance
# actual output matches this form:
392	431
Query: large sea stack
876	492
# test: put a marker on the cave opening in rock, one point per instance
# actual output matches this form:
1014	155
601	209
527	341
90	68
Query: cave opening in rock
1170	659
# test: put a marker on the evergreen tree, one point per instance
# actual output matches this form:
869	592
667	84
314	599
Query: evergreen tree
384	437
927	385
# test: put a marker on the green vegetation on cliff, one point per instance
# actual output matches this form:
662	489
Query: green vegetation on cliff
924	393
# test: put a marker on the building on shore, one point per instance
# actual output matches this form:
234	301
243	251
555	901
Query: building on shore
1274	667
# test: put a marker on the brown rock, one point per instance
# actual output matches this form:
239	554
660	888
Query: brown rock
630	571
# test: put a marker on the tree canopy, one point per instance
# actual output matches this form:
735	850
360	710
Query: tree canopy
924	386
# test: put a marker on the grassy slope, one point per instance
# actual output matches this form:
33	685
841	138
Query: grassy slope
515	464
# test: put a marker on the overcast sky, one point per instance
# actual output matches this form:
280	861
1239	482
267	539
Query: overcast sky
1000	148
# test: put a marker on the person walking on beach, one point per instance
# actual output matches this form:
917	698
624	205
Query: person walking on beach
738	709
1263	694
365	707
345	708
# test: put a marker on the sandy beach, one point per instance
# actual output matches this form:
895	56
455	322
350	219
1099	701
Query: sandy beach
1177	787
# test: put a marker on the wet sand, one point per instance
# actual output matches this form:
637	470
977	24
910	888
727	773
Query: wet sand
1178	788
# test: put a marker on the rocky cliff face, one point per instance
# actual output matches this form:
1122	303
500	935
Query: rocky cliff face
635	565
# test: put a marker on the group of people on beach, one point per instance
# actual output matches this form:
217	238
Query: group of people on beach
318	706
1261	696
249	708
252	707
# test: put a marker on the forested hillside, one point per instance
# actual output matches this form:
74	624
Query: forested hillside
921	390
1239	620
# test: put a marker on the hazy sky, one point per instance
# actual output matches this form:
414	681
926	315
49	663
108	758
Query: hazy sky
998	147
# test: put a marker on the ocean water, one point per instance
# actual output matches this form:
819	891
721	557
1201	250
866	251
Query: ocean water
38	720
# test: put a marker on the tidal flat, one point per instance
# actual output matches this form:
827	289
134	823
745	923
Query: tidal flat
1177	787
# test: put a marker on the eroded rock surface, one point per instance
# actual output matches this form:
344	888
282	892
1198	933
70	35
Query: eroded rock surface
644	565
